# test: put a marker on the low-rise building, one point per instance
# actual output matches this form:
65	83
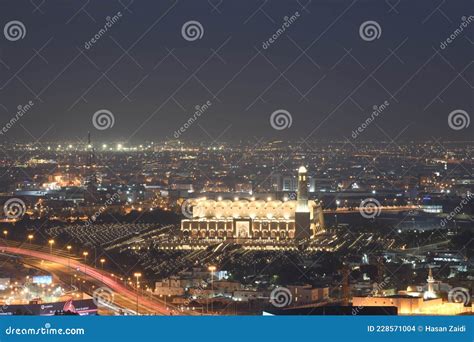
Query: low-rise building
247	295
409	305
305	294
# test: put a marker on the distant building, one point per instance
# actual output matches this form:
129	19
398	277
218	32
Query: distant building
289	183
306	294
257	219
247	295
408	305
226	286
413	303
172	286
332	310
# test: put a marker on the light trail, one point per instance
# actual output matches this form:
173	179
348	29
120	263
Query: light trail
99	276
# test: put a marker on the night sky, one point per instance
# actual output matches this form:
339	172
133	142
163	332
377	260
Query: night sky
319	70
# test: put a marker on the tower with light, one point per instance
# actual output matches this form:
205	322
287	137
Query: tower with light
303	214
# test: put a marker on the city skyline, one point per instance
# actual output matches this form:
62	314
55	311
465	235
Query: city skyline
224	158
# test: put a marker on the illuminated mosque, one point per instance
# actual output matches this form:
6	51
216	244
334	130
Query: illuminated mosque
250	219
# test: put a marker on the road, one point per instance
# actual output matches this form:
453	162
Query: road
65	267
345	210
80	282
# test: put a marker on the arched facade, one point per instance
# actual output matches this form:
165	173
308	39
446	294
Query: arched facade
256	219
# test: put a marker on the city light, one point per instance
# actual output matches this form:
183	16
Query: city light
308	158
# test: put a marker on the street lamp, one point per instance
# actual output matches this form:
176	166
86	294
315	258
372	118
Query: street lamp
30	237
5	233
85	254
164	296
68	247
51	243
102	264
137	275
212	269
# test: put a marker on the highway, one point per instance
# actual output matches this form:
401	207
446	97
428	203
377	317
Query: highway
345	210
65	267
